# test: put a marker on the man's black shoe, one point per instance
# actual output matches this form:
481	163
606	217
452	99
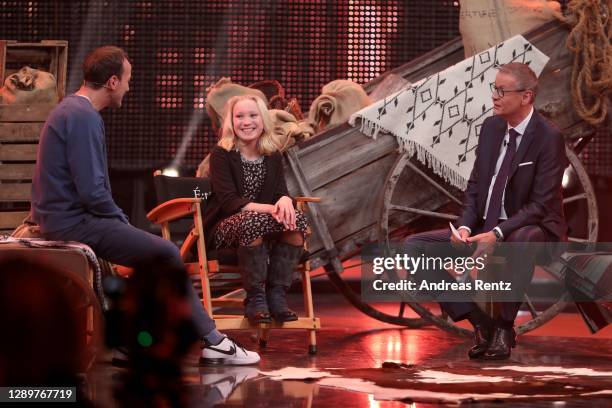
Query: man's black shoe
501	344
482	339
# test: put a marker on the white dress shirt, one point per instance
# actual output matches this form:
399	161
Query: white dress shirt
520	129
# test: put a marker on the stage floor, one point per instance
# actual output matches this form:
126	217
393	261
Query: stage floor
560	361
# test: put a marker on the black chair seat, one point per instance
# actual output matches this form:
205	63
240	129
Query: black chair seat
225	256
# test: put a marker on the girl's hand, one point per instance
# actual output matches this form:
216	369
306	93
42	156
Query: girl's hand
285	213
260	208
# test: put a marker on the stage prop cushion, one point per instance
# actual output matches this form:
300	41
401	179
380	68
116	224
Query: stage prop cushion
48	250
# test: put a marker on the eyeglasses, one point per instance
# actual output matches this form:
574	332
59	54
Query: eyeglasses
501	91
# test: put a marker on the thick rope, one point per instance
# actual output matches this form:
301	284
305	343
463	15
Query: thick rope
589	41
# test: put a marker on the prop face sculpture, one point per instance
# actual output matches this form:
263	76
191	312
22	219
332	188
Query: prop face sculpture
29	86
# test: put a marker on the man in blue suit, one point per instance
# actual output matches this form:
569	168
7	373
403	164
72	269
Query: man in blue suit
513	195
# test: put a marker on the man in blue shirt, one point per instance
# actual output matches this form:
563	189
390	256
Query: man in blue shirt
71	194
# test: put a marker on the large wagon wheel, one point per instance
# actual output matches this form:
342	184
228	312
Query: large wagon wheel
579	193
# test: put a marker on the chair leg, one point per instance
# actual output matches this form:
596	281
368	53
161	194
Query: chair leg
312	334
312	345
262	335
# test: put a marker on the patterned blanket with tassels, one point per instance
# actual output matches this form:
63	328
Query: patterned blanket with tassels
439	117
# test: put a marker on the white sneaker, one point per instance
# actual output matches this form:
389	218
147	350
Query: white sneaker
227	352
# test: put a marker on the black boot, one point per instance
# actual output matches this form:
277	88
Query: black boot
253	265
283	260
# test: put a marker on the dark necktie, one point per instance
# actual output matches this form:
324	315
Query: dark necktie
495	202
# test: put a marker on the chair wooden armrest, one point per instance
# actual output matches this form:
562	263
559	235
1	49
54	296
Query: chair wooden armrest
308	199
172	210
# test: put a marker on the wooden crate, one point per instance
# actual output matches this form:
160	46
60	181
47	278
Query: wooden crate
47	55
20	125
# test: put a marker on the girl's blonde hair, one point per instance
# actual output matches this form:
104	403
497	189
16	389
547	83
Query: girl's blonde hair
265	144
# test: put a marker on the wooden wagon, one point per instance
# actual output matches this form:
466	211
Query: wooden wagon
371	192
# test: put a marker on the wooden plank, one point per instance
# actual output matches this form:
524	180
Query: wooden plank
390	84
2	59
16	171
14	192
342	155
34	55
55	43
20	132
12	219
18	152
227	302
316	214
236	322
321	139
353	202
41	44
24	113
349	203
62	69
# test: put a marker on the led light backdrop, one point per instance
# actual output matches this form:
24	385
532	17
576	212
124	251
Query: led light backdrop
180	47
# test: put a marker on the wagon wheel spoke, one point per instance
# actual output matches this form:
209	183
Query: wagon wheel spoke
545	316
532	309
445	216
576	197
585	193
445	316
433	182
402	309
356	300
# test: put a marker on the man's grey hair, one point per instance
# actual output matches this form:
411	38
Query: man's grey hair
525	77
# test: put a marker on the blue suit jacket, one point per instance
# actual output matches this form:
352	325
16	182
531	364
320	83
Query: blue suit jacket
533	192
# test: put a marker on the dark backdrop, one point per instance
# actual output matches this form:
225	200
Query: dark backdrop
180	47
